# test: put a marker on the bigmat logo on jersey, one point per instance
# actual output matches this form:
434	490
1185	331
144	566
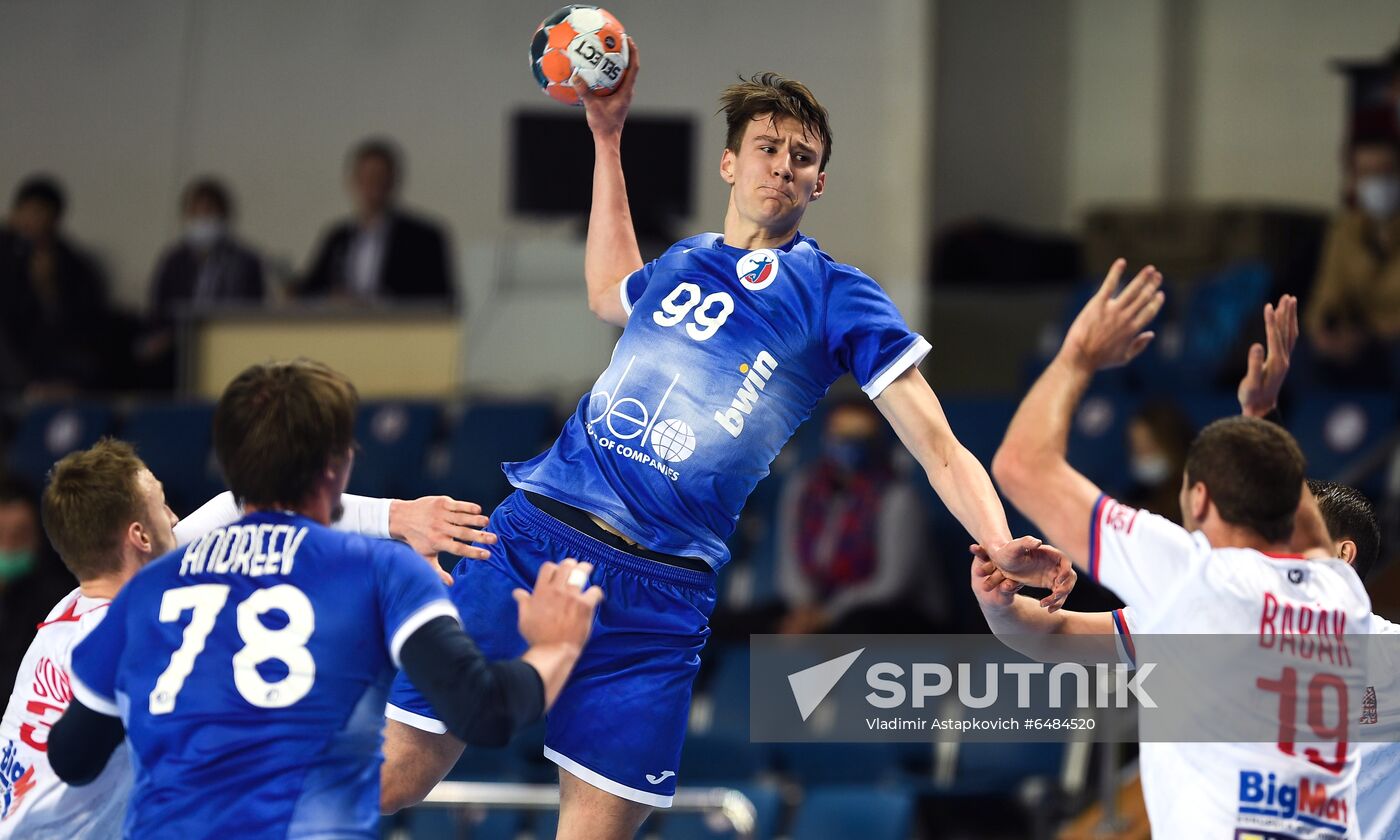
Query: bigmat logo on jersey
1306	802
16	779
631	427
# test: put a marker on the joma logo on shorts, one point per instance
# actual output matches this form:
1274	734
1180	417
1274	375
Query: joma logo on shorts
756	378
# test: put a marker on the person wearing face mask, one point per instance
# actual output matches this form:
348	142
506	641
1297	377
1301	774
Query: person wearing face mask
850	534
1354	308
31	576
1158	437
206	267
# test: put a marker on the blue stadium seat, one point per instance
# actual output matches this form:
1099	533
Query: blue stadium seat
843	812
1335	430
48	432
1000	767
486	435
1098	445
1205	408
709	759
394	438
175	441
768	807
453	824
729	693
838	764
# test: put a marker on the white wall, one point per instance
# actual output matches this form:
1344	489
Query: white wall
1143	100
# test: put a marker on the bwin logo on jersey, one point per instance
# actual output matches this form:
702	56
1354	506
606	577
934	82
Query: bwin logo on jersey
756	378
758	269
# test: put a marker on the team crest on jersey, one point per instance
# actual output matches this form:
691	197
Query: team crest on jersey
1369	713
758	269
16	779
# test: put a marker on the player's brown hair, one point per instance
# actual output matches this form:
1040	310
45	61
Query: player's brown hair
768	94
278	425
91	498
1254	471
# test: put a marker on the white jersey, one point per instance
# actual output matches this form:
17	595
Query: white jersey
34	803
1175	582
1378	786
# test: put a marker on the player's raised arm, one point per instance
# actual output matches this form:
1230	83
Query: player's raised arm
611	253
964	486
1268	362
1031	466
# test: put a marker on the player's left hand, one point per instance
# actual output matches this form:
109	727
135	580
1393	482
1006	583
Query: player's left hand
1109	331
1258	391
988	583
440	523
1029	561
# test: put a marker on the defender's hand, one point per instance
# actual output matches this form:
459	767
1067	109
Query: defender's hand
1029	561
559	613
440	523
606	114
990	586
1258	391
1108	332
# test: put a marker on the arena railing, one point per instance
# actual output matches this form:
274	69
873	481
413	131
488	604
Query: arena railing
726	803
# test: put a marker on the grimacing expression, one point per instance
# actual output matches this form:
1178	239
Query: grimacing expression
775	172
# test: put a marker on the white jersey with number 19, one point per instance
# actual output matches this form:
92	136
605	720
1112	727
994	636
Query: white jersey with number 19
1175	582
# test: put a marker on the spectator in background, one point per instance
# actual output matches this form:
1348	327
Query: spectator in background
206	267
382	253
54	324
852	552
1158	436
1353	311
32	578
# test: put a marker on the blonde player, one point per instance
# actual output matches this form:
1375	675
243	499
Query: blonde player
1231	570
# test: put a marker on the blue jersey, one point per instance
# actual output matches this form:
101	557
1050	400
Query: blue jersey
726	352
250	669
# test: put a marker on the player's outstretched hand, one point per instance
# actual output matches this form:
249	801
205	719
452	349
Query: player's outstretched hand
559	613
1029	561
1109	331
440	523
990	586
1268	366
606	114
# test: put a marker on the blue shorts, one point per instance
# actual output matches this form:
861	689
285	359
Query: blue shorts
620	721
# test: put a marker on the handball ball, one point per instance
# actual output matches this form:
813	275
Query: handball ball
579	42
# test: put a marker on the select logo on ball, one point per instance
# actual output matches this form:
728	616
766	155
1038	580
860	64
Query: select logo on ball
758	269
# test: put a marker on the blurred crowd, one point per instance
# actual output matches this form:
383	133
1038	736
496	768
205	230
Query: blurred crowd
61	334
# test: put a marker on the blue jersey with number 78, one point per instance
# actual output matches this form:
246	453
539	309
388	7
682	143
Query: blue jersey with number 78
250	669
725	353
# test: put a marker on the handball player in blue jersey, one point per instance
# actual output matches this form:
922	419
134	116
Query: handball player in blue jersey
248	671
729	341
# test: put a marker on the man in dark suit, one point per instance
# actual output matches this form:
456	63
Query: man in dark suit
382	253
59	334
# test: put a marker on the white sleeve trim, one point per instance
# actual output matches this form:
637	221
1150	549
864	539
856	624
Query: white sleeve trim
364	515
92	699
408	718
622	290
410	625
909	358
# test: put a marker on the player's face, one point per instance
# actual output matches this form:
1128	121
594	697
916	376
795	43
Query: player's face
775	172
157	515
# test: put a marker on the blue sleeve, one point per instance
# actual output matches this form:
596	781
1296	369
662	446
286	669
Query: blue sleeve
97	658
866	335
410	595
